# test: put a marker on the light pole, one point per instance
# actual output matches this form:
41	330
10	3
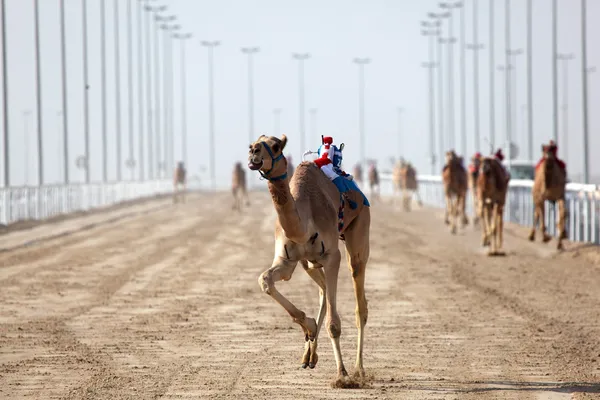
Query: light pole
210	45
565	58
26	115
361	62
584	75
103	89
554	70
529	80
313	123
438	19
508	79
492	78
250	51
59	115
451	40
63	53
276	121
182	41
130	160
301	57
5	136
432	31
168	135
140	95
38	79
86	98
512	98
507	109
476	47
117	88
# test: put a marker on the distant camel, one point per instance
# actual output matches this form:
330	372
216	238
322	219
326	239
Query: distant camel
492	185
374	181
358	174
549	184
238	186
455	189
179	182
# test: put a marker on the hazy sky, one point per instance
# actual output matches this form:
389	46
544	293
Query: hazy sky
333	32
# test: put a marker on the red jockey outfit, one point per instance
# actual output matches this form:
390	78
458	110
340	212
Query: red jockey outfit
552	148
473	167
498	155
330	159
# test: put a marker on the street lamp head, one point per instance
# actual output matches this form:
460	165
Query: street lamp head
208	43
182	35
301	56
564	56
250	50
361	60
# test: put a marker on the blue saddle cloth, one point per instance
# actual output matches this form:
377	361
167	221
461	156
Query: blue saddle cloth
345	185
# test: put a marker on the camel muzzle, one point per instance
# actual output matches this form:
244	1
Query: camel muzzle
254	166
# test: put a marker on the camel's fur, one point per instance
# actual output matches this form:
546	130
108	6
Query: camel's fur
549	184
492	185
473	182
239	187
374	182
455	189
179	183
306	231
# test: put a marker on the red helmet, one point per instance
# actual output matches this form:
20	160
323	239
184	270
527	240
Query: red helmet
478	155
499	155
327	140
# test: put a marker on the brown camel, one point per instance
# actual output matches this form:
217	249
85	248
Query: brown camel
549	184
473	181
397	178
239	187
409	184
357	173
455	189
492	185
307	230
374	181
179	183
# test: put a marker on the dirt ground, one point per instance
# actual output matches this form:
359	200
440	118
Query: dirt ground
162	301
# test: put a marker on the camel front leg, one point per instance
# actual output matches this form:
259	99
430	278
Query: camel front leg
500	230
448	209
331	266
310	357
562	232
454	214
536	219
542	211
485	231
282	270
493	235
463	210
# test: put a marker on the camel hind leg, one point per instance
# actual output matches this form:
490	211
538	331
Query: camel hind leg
536	220
500	230
357	255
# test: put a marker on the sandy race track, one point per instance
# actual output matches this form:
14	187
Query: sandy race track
162	301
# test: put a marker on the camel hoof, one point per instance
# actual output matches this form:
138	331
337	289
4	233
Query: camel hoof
453	230
447	222
304	365
547	238
560	246
532	237
311	365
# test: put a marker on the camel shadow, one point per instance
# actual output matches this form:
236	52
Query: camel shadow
447	386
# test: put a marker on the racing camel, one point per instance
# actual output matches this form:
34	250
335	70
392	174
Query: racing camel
239	187
455	190
374	181
492	185
179	183
549	184
307	230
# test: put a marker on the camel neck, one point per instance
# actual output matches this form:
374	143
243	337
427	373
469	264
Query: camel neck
287	213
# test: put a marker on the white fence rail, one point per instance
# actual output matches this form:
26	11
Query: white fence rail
582	205
38	203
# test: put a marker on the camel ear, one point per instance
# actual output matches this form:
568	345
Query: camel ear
283	141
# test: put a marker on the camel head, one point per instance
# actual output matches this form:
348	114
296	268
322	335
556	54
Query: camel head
266	157
486	166
450	156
